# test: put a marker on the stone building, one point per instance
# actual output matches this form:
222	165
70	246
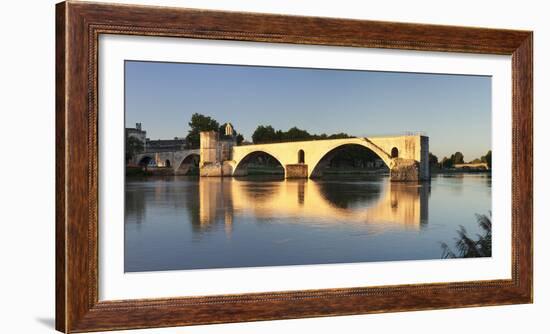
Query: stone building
215	149
229	131
165	145
155	145
137	133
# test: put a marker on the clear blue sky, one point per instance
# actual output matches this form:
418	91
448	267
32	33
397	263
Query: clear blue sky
453	110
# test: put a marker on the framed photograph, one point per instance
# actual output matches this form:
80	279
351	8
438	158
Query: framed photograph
223	167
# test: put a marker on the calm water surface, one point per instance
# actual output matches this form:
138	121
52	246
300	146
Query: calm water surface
191	223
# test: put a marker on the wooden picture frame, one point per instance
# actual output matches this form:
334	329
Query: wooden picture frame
78	26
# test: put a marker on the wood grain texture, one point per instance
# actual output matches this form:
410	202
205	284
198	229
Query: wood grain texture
60	99
78	27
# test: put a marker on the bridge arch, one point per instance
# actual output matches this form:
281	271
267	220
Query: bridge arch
241	167
409	165
145	160
187	164
324	158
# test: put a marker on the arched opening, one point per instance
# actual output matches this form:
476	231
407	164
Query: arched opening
350	159
189	165
301	157
259	163
147	161
167	163
394	152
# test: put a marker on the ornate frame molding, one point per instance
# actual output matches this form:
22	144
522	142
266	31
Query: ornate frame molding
78	26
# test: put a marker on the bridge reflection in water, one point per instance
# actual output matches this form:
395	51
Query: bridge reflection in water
401	205
180	223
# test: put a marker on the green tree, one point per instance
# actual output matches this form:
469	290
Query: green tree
197	124
321	136
457	158
339	135
264	134
267	134
279	136
446	163
239	139
296	134
432	158
487	158
134	146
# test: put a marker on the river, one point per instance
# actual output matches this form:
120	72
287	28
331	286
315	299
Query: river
175	223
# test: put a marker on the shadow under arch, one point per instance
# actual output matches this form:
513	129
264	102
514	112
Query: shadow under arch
357	155
262	163
189	165
144	161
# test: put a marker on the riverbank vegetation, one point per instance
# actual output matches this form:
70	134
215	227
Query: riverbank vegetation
466	246
456	164
133	147
137	171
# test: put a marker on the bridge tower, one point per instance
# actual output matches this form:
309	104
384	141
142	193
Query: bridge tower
216	153
412	164
208	148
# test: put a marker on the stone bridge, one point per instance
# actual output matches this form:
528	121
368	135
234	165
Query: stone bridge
405	156
180	161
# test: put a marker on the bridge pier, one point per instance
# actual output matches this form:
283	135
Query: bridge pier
405	170
296	171
413	166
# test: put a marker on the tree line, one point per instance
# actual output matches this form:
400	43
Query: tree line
262	135
458	158
265	134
